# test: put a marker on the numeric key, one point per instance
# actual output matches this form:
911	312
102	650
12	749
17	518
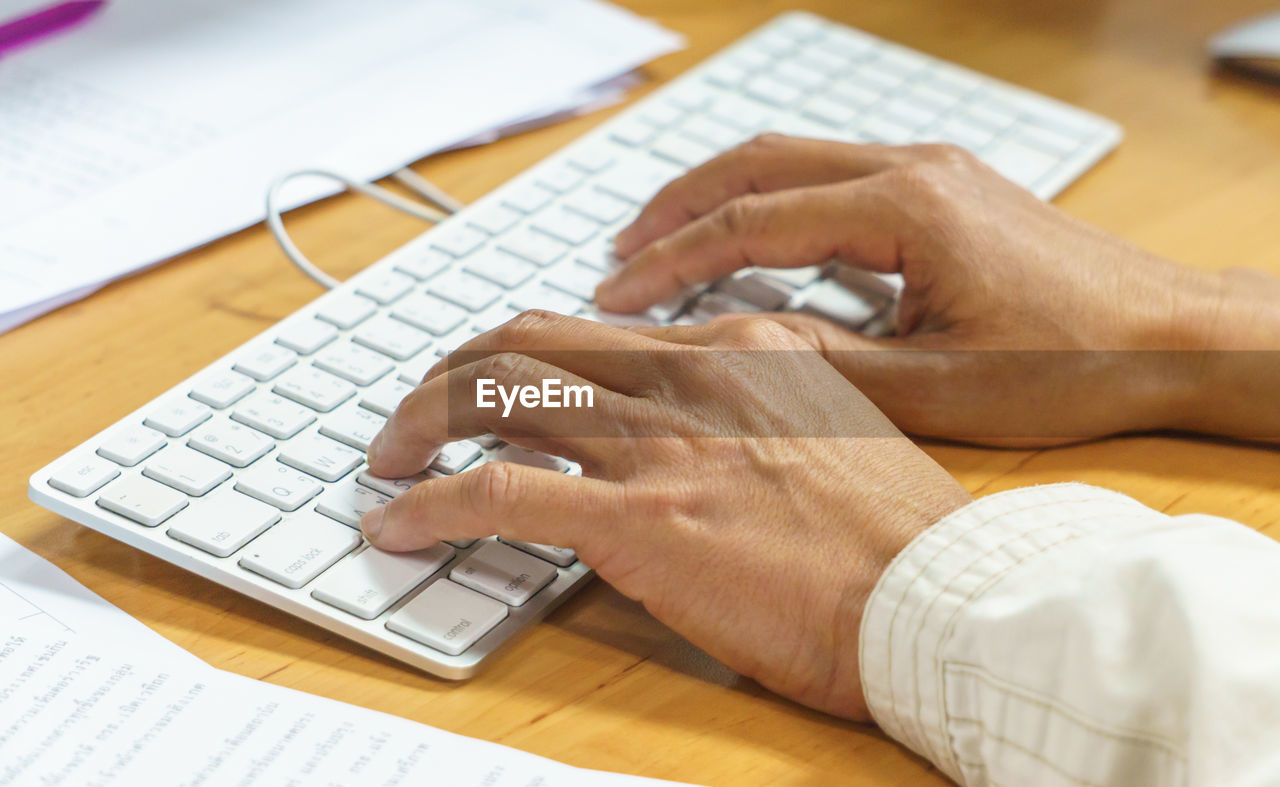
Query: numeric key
234	444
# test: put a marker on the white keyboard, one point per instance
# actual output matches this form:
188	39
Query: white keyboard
251	472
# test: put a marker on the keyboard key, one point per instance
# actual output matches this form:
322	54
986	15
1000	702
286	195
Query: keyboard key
392	487
392	337
833	113
559	179
542	296
736	112
637	180
840	305
234	444
306	336
142	500
223	522
592	158
385	397
504	573
275	415
523	456
500	268
348	501
527	198
1020	163
316	389
354	425
295	551
598	206
761	291
470	292
798	75
455	457
447	617
429	313
412	372
536	247
385	286
558	555
566	226
713	134
714	304
346	311
494	219
885	130
727	75
177	416
264	362
457	239
83	477
369	583
682	150
279	485
131	444
322	457
632	133
186	470
576	279
360	366
487	320
422	265
222	389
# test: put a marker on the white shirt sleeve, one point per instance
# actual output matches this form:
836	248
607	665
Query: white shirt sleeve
1067	635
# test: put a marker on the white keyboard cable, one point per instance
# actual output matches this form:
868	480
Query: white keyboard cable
424	188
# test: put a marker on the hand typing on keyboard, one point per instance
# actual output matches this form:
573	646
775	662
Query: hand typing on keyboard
993	278
702	477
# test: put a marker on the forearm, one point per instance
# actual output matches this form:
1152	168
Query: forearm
1070	635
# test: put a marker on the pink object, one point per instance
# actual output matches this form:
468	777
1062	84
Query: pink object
45	22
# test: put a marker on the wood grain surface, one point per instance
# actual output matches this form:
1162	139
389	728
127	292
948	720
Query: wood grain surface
602	684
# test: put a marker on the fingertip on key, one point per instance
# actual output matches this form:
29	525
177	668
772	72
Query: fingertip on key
371	523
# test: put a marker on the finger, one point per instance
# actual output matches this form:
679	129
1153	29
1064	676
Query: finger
489	396
499	498
770	162
852	221
610	356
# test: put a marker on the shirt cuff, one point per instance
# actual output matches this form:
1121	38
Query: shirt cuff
922	595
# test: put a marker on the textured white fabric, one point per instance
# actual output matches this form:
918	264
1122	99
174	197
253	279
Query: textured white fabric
1067	635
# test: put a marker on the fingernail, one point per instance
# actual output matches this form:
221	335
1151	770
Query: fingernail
371	524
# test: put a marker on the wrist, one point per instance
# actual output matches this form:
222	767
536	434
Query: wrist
1223	360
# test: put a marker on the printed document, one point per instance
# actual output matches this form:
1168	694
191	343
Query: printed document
158	124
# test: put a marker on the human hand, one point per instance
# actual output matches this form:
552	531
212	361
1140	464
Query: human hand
1018	324
733	482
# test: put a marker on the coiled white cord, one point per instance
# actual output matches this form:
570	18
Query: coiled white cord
445	206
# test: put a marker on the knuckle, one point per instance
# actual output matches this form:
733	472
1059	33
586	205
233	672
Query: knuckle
923	182
490	487
946	155
765	144
525	329
501	366
756	332
739	215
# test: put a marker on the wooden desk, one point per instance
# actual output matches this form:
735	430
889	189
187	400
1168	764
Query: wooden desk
601	684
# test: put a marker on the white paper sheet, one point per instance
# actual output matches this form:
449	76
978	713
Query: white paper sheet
158	125
88	695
